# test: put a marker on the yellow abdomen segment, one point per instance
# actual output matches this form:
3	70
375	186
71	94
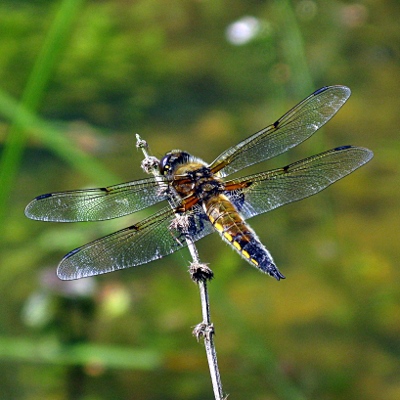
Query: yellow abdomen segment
232	227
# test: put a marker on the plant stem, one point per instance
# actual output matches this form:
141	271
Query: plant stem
200	274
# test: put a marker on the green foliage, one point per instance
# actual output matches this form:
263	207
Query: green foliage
78	79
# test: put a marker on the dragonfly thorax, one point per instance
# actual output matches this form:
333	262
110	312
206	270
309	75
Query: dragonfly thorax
190	176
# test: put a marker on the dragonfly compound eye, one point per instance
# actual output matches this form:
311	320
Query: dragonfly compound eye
172	159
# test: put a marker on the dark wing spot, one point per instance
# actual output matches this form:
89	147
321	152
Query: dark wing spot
44	196
320	90
342	148
71	253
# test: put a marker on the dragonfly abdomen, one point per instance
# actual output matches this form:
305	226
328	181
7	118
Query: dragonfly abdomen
234	230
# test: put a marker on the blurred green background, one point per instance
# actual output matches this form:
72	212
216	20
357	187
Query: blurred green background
78	79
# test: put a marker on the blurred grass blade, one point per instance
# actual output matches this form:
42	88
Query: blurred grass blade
52	47
54	139
33	94
293	48
48	351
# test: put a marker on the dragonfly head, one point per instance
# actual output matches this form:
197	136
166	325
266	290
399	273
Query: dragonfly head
172	159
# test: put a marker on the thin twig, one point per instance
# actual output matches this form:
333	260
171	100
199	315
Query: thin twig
200	274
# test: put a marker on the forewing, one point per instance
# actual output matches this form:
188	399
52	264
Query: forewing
146	241
268	190
96	204
294	127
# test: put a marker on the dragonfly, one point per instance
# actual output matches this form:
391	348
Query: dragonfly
202	195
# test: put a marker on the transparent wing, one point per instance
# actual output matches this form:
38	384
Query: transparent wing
294	127
265	191
146	241
96	204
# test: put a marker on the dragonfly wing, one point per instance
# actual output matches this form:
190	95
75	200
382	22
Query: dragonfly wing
293	128
96	204
143	242
268	190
